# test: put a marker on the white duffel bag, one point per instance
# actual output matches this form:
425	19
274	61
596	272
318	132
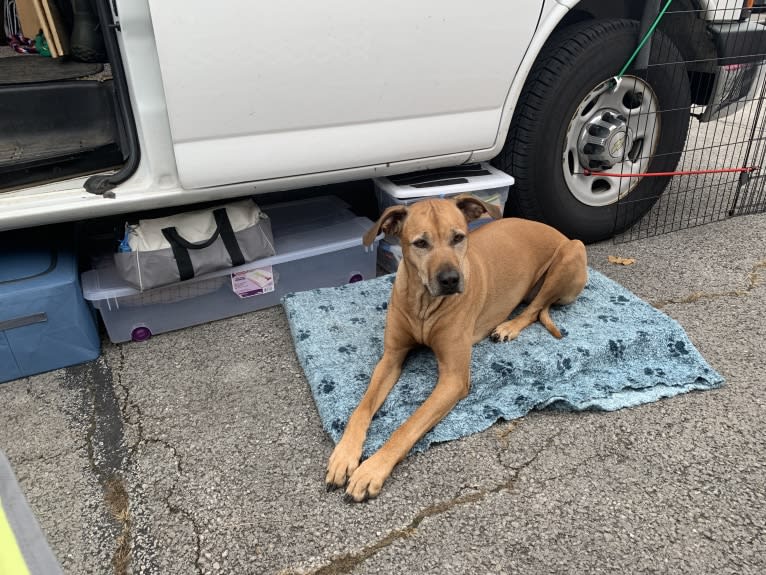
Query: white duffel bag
163	251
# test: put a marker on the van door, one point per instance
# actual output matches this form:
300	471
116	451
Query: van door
260	90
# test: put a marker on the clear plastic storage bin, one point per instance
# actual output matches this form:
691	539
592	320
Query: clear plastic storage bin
480	180
318	243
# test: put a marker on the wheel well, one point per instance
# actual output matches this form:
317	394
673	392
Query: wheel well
681	24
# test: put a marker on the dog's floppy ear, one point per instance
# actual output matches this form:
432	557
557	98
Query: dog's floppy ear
390	222
473	207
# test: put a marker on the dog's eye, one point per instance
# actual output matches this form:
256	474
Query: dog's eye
457	238
420	243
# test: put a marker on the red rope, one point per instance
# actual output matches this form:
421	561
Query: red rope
587	172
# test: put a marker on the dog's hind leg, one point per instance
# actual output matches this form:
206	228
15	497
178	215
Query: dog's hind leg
563	281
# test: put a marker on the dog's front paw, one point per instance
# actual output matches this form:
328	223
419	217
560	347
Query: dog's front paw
343	462
503	334
367	481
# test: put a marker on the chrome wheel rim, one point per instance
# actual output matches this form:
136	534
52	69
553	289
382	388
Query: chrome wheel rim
615	130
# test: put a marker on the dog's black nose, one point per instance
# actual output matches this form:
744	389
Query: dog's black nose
448	280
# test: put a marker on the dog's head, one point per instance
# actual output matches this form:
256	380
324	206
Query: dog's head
434	238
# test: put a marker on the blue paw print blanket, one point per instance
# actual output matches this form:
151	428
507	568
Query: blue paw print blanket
617	351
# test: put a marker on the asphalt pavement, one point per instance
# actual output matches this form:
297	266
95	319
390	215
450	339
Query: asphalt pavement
200	451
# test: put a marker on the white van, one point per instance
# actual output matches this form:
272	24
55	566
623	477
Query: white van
212	100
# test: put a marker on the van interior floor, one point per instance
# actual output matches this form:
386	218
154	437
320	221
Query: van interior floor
57	119
27	68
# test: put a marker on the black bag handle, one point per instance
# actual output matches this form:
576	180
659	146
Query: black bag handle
180	246
172	236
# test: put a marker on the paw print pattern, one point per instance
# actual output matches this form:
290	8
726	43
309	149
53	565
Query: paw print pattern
303	334
677	348
347	349
608	318
326	308
503	368
358	320
327	385
563	364
338	426
382	307
617	348
654	371
618	300
491	413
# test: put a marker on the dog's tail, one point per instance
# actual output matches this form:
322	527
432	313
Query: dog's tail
545	319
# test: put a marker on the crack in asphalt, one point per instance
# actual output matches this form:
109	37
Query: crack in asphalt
349	561
502	434
132	414
175	508
753	280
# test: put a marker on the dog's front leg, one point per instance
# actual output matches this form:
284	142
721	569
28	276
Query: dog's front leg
454	360
345	457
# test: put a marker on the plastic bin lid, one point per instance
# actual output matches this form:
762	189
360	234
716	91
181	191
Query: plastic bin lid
320	211
445	181
299	243
24	258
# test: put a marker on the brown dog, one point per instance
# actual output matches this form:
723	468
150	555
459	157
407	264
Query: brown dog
452	290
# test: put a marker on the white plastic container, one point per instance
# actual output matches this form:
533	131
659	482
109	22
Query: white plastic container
318	244
480	180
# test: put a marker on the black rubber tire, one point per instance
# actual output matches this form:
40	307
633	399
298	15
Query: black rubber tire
573	62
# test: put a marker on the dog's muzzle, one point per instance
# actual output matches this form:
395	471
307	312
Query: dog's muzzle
449	281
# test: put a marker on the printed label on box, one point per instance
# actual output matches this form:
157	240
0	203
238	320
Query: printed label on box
253	282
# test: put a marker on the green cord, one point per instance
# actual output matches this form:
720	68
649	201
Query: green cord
644	39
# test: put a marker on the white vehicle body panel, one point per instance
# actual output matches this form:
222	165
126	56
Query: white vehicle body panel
300	87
